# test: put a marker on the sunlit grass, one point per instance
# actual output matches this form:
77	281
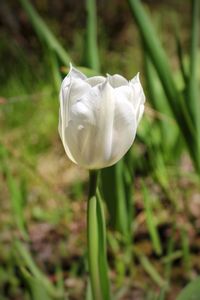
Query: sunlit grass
43	195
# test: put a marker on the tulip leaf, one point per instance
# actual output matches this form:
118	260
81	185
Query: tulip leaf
191	291
181	58
193	84
177	101
91	47
165	122
97	256
103	264
115	197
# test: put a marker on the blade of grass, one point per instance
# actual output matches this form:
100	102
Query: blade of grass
193	84
150	219
159	102
36	288
55	70
170	251
16	194
88	295
128	175
172	257
149	268
185	249
60	285
115	198
162	295
179	51
27	260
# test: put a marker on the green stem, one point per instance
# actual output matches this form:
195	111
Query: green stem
92	56
93	238
103	263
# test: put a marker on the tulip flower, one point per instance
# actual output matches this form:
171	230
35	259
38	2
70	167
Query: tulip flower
99	117
98	120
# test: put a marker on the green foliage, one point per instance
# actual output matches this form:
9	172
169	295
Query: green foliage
116	198
16	194
103	264
91	47
35	287
29	121
96	235
177	100
149	268
151	221
38	283
191	291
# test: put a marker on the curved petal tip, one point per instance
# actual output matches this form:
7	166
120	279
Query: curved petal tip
73	72
136	78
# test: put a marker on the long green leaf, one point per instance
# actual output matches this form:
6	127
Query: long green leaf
91	47
193	84
35	286
159	58
103	265
27	261
179	51
151	221
191	291
115	197
166	126
149	268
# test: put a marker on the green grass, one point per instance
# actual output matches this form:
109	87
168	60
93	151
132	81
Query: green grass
43	195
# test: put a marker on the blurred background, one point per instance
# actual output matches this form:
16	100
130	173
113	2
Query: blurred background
153	209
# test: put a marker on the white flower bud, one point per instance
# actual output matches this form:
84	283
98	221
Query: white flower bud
99	117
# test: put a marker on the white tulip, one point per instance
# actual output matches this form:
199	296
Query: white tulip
99	117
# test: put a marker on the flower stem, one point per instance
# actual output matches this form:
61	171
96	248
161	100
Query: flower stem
103	264
93	238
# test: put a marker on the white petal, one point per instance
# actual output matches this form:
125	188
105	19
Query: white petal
73	86
77	89
124	92
140	113
89	132
80	134
75	73
95	80
105	121
124	128
65	87
138	96
62	136
117	80
133	93
136	78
